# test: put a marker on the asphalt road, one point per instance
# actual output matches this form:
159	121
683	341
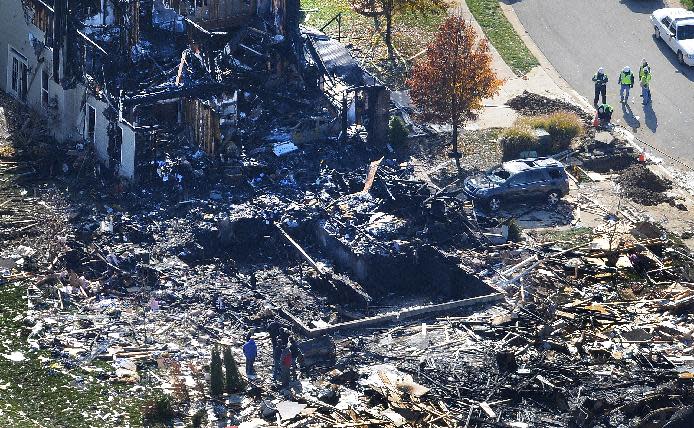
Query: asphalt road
578	36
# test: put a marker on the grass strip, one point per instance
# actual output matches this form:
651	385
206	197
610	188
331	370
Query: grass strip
501	34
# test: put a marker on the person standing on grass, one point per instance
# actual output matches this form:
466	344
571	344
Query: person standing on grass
250	351
600	79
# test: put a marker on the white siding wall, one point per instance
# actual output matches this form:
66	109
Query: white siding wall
127	152
15	34
100	128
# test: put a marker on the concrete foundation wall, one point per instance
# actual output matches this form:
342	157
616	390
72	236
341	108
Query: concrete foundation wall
423	269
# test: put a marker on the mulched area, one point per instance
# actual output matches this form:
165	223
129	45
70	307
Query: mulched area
531	104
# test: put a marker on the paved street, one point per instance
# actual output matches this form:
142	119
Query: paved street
579	36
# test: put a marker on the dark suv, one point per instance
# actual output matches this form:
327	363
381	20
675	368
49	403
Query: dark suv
519	180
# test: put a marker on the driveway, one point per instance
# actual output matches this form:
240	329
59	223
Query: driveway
577	37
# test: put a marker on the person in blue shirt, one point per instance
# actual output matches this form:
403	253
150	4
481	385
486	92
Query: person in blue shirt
250	351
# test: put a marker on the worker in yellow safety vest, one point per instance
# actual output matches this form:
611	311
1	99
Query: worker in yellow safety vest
626	82
645	79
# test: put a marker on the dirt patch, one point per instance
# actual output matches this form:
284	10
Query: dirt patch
530	104
641	185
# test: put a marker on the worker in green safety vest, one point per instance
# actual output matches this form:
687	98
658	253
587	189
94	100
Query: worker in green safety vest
645	80
626	82
605	113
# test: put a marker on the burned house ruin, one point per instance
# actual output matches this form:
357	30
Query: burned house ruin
136	80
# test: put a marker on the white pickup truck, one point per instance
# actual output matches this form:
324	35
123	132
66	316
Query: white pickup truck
676	27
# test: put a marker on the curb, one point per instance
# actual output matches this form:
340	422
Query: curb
542	59
581	101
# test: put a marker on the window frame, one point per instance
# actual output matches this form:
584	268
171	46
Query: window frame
45	94
90	135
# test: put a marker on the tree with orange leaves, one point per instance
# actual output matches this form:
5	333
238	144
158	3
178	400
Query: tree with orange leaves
449	84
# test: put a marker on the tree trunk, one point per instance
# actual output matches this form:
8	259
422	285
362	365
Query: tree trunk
455	138
389	31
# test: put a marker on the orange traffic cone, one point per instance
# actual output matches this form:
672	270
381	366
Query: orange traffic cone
642	157
596	122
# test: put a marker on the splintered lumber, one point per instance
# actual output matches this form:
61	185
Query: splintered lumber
300	249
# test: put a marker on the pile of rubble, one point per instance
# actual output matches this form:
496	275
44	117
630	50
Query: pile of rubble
343	249
643	186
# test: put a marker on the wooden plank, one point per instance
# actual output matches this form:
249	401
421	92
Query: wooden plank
300	250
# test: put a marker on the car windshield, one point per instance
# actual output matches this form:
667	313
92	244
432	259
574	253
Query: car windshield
685	32
498	175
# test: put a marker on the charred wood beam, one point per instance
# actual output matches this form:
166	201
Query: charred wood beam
301	251
199	90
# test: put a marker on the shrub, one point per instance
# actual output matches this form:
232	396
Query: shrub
216	374
234	381
515	231
157	410
199	418
516	139
397	131
7	151
562	126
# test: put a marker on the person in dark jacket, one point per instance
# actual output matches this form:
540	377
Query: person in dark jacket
600	79
297	356
250	351
274	329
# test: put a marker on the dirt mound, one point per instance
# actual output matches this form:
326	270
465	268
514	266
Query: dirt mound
641	185
530	104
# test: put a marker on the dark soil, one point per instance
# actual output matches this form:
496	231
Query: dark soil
530	104
641	185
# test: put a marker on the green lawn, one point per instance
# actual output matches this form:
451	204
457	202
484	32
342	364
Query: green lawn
501	34
689	4
46	393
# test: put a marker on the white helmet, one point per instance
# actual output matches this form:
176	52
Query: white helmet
601	70
627	69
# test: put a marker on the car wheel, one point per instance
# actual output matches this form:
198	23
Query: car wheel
656	32
680	57
553	198
494	203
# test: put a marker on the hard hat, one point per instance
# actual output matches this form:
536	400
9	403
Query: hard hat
643	61
627	69
601	70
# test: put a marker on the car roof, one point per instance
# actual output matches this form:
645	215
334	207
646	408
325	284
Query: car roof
678	13
689	20
519	165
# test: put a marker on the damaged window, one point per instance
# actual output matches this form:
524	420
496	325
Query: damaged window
499	175
15	74
91	123
43	20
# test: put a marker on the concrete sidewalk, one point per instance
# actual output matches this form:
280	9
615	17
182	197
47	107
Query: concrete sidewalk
542	80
